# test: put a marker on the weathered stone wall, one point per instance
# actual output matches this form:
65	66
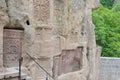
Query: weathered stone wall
3	20
109	68
12	74
51	26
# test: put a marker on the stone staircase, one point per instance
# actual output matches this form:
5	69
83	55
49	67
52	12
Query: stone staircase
12	74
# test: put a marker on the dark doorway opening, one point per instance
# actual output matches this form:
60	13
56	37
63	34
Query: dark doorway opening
14	28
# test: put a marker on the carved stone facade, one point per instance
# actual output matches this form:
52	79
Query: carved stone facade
53	28
41	11
67	61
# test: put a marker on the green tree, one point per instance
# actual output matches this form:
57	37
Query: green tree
116	7
107	31
107	3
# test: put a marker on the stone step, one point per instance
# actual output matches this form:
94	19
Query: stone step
12	74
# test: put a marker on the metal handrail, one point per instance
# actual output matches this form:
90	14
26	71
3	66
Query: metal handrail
40	66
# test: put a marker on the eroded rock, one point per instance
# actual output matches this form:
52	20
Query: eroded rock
50	27
68	61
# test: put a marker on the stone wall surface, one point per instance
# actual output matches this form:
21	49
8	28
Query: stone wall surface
109	68
50	27
3	21
12	74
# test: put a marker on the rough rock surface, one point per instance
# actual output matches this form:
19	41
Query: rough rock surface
51	26
67	61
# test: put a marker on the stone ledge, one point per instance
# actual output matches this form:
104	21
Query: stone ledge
11	73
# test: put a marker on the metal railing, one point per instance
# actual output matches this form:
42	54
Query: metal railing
41	67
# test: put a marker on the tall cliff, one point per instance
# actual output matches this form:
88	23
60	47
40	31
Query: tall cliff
59	34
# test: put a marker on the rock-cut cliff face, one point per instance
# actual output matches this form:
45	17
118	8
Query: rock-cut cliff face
58	34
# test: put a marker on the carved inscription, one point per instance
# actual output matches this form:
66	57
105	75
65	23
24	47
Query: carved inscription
44	43
12	47
68	61
42	11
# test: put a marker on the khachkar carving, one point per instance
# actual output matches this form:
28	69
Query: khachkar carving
41	11
12	47
68	61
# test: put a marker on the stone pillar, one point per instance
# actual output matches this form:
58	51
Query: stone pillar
97	69
3	20
1	45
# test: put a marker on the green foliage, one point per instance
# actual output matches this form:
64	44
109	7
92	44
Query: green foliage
107	30
107	3
116	7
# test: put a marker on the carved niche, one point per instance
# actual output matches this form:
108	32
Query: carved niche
68	61
12	47
41	11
